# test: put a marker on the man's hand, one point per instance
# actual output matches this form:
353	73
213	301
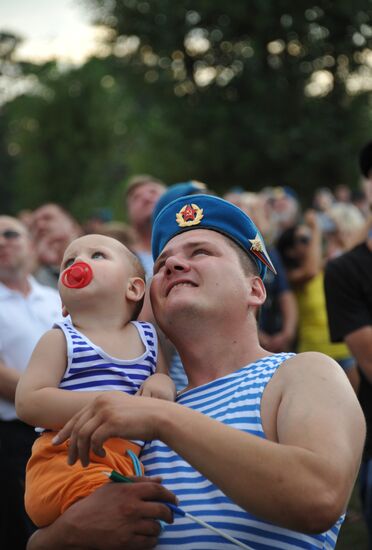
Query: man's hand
115	516
112	414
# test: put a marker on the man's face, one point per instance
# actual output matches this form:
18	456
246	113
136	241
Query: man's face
197	275
52	231
15	247
141	202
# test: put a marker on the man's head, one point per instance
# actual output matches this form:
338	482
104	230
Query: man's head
209	212
16	252
53	228
209	263
97	268
141	195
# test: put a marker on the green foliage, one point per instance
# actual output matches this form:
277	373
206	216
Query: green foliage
241	93
67	139
234	84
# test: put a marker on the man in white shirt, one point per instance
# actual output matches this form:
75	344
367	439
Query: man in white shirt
27	310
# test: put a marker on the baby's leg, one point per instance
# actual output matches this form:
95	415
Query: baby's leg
52	485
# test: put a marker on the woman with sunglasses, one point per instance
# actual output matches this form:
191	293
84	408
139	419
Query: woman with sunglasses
300	248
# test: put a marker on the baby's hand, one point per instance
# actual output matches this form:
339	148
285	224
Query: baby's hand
158	385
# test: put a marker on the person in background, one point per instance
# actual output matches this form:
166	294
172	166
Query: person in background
301	250
52	229
27	310
257	444
342	193
348	223
141	195
323	200
284	206
348	292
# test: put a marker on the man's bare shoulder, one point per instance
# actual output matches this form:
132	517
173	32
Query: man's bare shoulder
308	365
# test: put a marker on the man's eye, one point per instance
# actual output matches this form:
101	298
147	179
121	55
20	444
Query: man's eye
200	251
97	255
68	263
158	267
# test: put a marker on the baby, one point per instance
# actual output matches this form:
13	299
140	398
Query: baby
101	349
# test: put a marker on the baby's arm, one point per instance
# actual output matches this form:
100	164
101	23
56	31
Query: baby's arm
160	384
38	400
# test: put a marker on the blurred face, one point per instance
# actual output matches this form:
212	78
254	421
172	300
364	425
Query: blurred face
110	265
50	219
52	231
195	276
15	247
141	202
301	242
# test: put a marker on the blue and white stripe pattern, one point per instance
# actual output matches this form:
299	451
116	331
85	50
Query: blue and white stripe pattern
90	368
177	372
234	400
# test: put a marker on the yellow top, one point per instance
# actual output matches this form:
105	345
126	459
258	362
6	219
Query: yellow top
313	332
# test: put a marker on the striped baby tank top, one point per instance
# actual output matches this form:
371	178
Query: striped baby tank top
234	400
90	368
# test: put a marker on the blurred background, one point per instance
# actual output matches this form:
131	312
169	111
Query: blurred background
246	93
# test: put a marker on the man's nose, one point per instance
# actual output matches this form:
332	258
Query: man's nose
176	263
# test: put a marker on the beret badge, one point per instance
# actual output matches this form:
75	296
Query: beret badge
190	214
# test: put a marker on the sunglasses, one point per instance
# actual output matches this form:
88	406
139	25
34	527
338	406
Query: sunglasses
302	239
10	234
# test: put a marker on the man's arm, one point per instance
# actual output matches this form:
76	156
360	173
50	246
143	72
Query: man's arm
8	382
38	399
113	517
359	343
301	479
348	308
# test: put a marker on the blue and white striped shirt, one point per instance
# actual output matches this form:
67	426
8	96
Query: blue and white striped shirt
234	400
90	368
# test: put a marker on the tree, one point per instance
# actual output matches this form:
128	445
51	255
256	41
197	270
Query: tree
254	93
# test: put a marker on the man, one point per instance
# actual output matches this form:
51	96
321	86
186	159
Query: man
52	228
349	304
27	310
258	444
141	195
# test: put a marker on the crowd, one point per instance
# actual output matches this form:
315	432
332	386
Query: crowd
307	427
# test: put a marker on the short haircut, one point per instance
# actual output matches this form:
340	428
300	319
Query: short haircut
247	263
138	271
138	180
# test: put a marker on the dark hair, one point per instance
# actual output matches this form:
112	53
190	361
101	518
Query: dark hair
285	243
365	159
140	179
138	271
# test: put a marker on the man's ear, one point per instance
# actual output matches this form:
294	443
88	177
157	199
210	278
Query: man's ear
257	291
135	289
64	311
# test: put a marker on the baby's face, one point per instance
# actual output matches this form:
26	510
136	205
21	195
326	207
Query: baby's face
106	260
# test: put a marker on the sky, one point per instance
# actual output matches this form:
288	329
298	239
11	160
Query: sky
50	29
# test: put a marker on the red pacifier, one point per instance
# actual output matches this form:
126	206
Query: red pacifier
77	275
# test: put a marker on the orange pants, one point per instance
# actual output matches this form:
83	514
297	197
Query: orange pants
52	485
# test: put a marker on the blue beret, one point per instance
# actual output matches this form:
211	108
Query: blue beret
210	212
177	190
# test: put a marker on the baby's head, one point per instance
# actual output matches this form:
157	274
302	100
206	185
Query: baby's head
95	269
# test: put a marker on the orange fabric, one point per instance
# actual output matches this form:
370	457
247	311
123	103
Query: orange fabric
52	485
